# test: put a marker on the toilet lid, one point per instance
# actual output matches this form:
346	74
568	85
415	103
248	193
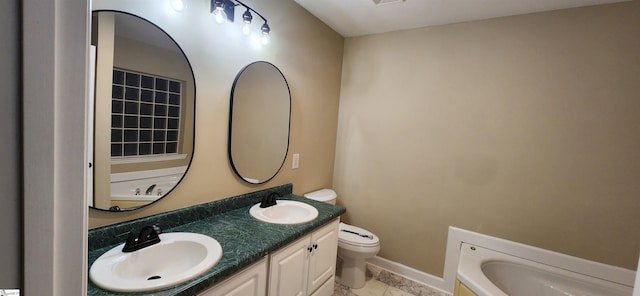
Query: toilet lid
356	236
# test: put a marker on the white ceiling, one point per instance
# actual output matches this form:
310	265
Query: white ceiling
362	17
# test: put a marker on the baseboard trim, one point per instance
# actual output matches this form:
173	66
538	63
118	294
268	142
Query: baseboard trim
415	275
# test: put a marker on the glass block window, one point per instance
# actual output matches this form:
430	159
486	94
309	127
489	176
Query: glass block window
145	114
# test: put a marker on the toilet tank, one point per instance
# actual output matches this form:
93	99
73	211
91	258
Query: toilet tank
323	195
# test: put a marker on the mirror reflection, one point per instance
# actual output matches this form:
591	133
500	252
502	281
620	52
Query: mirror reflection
144	112
259	122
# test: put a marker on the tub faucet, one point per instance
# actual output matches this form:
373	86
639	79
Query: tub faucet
150	189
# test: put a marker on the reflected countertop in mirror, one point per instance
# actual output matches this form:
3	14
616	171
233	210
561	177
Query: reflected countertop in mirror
144	117
259	122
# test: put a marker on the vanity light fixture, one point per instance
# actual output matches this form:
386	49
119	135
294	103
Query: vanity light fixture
224	10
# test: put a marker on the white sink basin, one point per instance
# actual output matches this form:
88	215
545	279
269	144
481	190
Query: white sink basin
285	212
177	258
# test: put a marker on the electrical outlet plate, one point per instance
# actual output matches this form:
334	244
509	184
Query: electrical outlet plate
296	161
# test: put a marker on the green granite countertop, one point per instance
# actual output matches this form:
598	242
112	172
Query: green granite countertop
244	241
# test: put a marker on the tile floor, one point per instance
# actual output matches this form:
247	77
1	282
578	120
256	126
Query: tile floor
384	283
371	288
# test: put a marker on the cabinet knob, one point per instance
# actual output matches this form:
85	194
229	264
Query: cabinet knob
315	246
310	249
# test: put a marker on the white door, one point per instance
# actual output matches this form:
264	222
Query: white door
322	264
289	270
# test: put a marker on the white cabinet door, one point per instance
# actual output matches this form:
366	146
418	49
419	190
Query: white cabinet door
322	263
288	269
251	281
306	266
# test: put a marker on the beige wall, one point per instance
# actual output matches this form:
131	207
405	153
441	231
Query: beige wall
524	128
308	53
103	37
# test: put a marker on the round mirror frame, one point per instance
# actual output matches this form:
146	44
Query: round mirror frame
233	163
192	98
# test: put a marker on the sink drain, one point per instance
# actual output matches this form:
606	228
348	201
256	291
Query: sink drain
155	277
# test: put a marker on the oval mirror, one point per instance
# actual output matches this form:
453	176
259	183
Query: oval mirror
259	122
144	96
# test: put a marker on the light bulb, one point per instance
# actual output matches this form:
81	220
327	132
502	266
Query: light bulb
255	42
265	33
246	18
246	29
177	5
220	15
218	12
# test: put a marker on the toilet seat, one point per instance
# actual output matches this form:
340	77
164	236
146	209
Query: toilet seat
356	236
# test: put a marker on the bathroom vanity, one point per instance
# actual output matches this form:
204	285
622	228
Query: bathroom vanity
258	258
304	267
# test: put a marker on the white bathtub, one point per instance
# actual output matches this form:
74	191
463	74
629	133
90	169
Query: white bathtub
133	186
491	273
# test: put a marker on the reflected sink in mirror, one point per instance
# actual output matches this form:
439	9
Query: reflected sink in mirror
285	212
177	258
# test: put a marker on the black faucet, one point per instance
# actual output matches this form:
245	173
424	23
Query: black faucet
269	200
149	235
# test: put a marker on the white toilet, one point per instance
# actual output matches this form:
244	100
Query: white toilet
355	245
